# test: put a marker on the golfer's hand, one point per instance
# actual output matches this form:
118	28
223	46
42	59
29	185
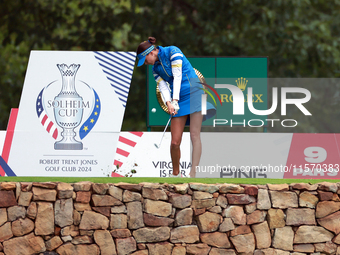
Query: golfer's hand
172	107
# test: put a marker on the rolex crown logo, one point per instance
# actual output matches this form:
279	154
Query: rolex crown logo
242	83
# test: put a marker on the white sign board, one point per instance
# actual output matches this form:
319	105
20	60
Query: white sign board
2	139
233	155
137	155
70	113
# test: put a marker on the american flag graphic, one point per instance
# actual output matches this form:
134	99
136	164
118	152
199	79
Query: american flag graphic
92	120
48	124
118	68
126	143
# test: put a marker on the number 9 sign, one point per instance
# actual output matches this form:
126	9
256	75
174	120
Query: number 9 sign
315	154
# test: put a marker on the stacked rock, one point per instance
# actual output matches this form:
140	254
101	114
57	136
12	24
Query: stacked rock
168	219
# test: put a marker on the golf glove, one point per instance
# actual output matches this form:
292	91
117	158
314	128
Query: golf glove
175	105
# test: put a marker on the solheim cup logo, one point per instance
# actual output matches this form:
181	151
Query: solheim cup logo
65	111
68	109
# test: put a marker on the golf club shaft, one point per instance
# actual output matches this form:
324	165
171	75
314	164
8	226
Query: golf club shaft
167	124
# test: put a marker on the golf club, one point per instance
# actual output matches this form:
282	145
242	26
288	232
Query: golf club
158	146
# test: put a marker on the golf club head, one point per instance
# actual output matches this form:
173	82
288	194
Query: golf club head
156	146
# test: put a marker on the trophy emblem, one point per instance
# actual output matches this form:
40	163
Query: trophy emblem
68	109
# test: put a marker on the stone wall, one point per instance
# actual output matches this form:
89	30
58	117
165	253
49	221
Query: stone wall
89	218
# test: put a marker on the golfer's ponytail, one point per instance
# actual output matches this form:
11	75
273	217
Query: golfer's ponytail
152	40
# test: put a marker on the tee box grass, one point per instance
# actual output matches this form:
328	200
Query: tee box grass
255	181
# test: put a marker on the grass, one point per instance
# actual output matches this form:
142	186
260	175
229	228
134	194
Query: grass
257	181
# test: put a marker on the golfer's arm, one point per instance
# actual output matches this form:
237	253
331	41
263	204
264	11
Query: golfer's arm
176	66
164	89
162	86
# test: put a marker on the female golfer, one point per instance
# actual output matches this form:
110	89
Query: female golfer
183	99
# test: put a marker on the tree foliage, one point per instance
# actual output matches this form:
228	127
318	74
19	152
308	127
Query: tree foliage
301	37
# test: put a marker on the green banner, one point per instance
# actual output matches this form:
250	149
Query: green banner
242	72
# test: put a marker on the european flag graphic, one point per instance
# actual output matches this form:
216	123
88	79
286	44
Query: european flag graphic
86	128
